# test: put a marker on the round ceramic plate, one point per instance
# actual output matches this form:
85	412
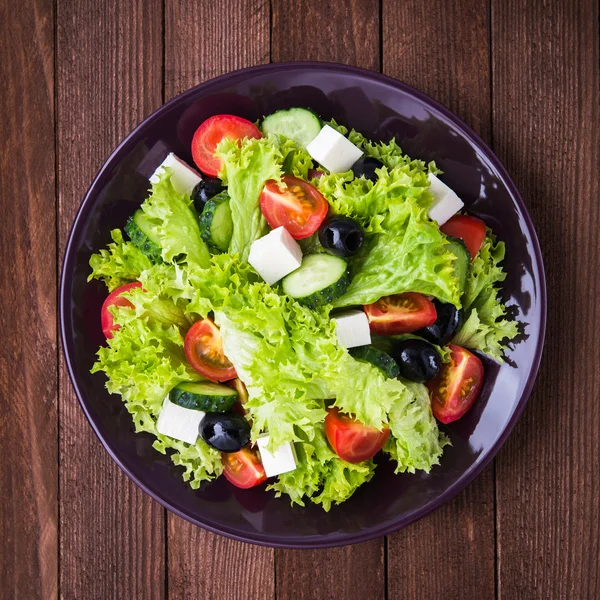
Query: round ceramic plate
380	108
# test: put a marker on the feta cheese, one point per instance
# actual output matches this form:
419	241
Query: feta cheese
275	255
281	460
352	328
445	201
178	422
184	178
333	150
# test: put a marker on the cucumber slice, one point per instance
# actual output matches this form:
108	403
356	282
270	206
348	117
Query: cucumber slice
462	263
142	234
298	124
320	279
205	396
216	225
377	358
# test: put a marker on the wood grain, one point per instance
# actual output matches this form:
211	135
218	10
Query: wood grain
443	48
28	372
203	40
348	33
546	122
351	572
206	39
109	57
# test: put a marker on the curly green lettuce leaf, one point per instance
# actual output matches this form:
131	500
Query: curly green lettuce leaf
486	327
321	475
119	263
199	461
143	361
246	169
389	153
410	256
175	224
415	442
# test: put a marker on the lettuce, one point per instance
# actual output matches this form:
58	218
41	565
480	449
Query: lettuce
403	249
175	224
321	475
143	361
120	263
410	256
485	327
246	169
415	442
389	153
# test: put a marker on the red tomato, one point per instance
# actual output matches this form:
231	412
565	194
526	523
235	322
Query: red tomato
203	347
402	313
470	230
350	439
297	205
115	299
244	468
457	385
315	174
211	132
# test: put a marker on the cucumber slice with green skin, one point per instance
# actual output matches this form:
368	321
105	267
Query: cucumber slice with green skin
205	396
378	358
142	234
216	225
320	279
462	263
298	124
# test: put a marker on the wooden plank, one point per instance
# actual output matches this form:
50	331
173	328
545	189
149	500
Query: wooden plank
442	48
546	121
348	33
203	40
207	39
28	372
109	57
350	572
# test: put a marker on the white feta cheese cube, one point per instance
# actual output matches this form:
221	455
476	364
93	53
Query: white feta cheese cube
333	150
281	460
178	422
445	201
352	328
184	178
275	255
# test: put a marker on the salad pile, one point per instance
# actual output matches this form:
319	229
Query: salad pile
308	299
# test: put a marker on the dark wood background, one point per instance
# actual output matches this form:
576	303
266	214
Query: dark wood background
77	75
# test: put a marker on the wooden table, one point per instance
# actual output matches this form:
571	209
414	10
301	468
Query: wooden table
78	75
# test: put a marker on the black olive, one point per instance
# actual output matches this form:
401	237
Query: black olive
417	359
205	190
341	236
365	167
445	326
226	432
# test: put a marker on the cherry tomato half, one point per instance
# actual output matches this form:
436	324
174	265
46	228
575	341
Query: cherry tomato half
470	230
115	299
351	440
203	347
457	385
244	468
211	132
402	313
297	205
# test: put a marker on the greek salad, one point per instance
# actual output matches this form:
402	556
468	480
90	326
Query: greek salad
299	301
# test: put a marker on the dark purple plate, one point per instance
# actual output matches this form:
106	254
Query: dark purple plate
380	108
